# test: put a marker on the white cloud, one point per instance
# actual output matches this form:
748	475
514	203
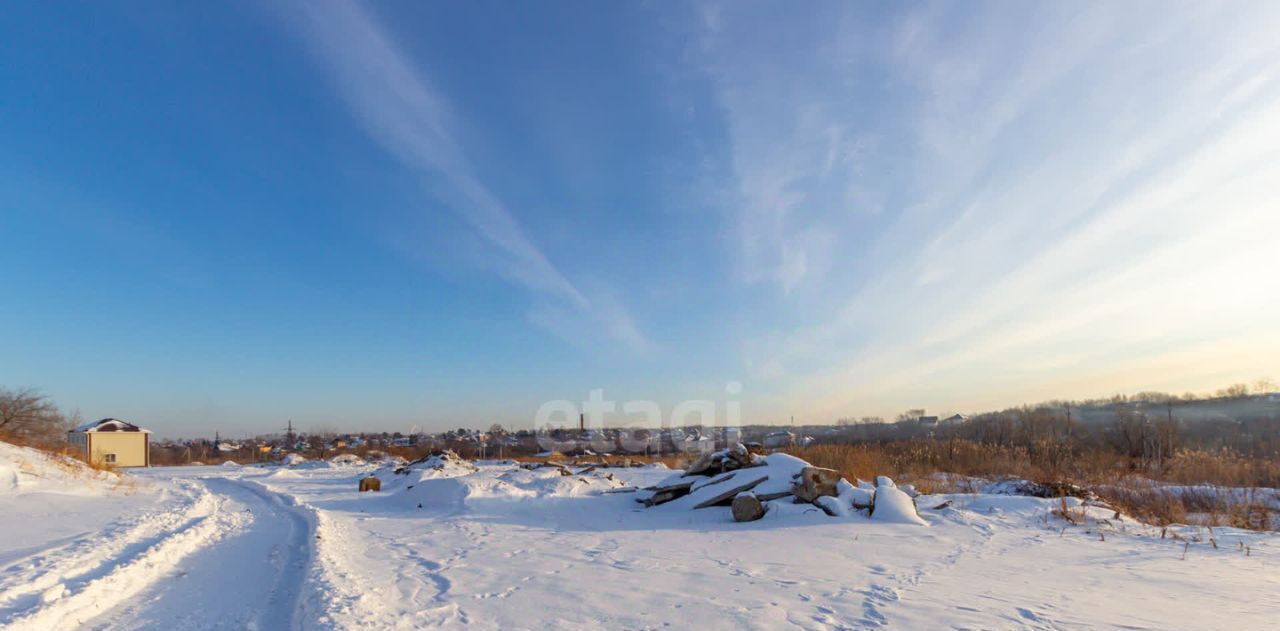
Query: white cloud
1088	183
403	112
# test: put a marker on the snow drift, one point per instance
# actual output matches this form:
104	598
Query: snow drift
445	481
24	470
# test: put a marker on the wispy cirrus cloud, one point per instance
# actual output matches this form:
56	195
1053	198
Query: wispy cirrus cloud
1011	203
401	110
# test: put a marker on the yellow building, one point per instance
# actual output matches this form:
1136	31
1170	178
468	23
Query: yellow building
113	442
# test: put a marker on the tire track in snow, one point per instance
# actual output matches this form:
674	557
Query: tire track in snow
122	578
254	578
48	573
79	554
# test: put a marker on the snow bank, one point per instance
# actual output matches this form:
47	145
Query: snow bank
293	460
25	470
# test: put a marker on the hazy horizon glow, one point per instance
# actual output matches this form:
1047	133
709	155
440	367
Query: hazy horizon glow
404	215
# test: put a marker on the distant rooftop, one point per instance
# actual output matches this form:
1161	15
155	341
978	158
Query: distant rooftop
110	425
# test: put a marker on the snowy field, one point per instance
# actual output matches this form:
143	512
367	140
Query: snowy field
500	547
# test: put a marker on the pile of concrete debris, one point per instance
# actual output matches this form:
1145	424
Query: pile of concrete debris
587	469
442	460
601	463
749	482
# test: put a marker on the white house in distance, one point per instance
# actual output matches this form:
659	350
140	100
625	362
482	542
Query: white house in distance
113	442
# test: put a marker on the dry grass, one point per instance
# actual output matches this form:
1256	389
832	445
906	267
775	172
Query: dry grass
939	466
1222	467
920	458
71	463
1147	503
1250	508
1071	515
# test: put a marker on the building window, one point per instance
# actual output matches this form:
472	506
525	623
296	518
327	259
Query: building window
109	458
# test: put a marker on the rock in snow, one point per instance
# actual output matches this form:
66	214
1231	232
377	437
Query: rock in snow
747	507
816	482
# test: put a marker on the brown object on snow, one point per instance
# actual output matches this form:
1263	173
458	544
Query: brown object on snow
747	507
370	484
816	482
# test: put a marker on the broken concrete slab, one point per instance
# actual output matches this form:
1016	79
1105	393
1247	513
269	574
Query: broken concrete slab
815	482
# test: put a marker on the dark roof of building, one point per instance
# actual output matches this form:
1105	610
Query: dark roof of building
110	425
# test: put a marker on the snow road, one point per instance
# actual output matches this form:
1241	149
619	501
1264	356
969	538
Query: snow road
233	556
252	578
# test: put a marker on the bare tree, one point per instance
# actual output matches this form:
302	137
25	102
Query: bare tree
26	413
1129	434
1234	391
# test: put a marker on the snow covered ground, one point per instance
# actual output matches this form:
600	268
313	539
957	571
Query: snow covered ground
502	547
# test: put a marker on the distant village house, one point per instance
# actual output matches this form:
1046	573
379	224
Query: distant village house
113	442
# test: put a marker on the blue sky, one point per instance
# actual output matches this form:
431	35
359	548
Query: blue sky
388	215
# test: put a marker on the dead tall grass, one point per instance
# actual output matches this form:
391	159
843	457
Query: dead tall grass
919	458
1237	491
924	457
1222	467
